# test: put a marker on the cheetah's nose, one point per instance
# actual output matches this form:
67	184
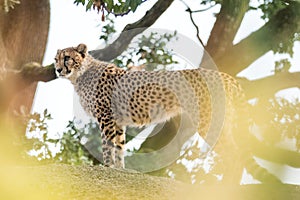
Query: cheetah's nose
59	70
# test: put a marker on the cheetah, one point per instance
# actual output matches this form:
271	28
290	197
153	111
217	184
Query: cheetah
119	98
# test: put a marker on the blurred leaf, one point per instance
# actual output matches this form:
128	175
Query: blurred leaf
116	8
151	50
134	4
282	65
89	5
110	3
271	7
77	2
107	30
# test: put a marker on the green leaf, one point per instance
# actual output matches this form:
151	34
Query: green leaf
45	112
127	3
109	4
118	62
54	141
89	5
134	4
77	2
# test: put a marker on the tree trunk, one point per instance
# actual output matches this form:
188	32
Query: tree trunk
23	38
226	26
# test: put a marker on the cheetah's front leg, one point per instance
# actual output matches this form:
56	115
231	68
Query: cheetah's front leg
113	140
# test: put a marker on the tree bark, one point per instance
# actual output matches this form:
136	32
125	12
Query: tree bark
23	38
266	87
226	26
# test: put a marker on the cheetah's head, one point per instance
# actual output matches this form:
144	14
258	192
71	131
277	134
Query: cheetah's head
68	61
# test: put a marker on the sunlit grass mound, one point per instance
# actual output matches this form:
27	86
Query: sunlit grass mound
58	181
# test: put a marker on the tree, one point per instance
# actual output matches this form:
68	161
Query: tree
23	37
279	33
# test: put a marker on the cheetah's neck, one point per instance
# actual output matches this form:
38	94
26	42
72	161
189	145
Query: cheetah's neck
88	62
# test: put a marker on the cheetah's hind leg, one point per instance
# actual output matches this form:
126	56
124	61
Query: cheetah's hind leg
108	150
119	149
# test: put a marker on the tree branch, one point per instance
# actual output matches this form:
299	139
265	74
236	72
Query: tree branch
274	154
226	26
268	86
36	72
130	31
280	29
30	73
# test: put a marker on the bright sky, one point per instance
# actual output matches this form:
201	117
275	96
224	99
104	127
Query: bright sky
71	25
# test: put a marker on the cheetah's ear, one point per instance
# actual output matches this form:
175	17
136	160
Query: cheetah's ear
82	49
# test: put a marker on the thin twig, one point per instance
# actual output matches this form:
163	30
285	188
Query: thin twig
203	10
193	22
195	25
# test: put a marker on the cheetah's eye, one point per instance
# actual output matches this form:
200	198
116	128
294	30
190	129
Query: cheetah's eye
66	58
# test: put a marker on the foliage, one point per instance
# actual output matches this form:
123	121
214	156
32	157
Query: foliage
286	38
270	7
36	138
107	30
80	146
281	122
73	146
282	65
150	50
114	7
